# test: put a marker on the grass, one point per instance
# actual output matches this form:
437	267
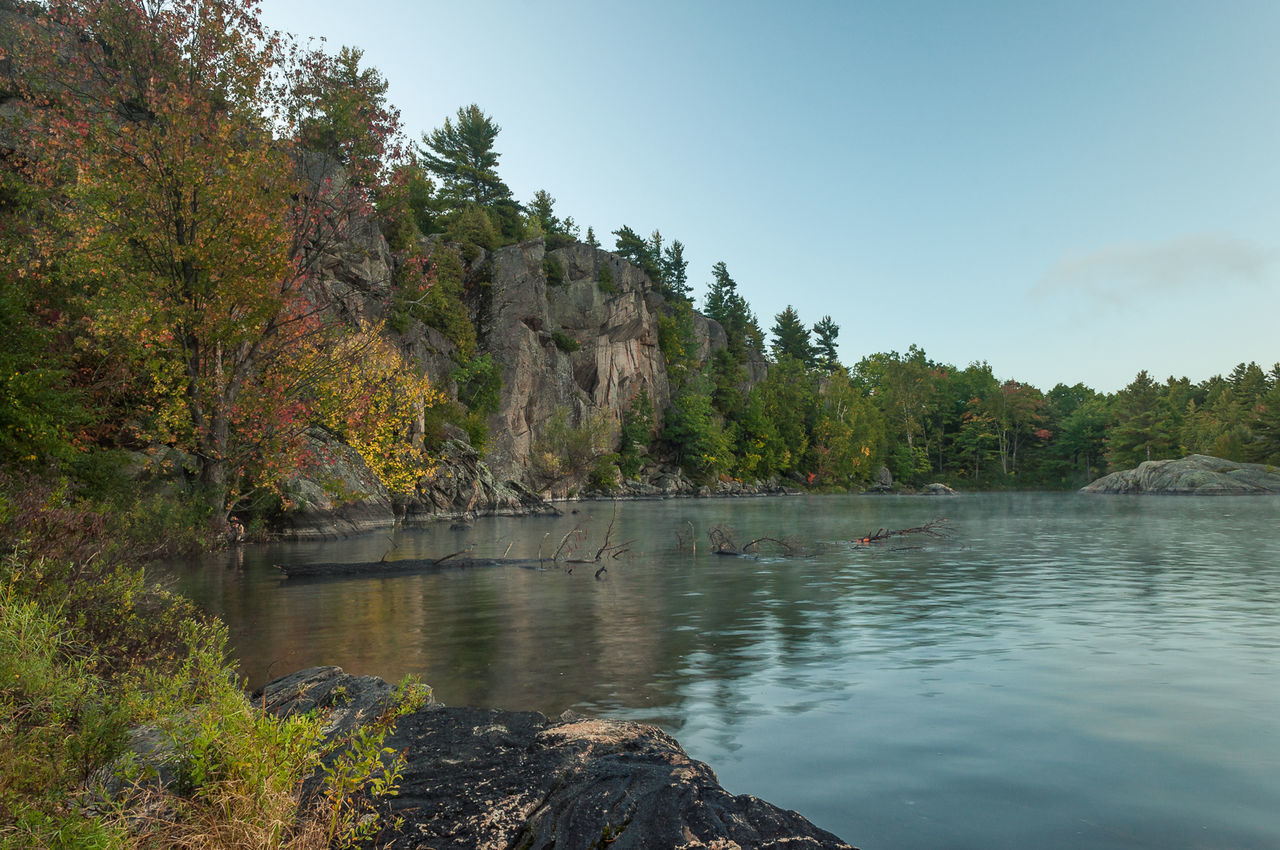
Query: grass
89	653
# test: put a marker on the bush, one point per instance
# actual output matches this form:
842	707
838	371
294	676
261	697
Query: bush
88	652
604	280
564	453
564	342
553	270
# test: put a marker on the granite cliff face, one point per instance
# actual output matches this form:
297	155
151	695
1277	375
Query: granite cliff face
574	330
1198	475
574	343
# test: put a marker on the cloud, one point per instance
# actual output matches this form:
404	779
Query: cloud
1120	273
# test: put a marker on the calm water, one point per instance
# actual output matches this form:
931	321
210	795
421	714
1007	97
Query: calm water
1067	671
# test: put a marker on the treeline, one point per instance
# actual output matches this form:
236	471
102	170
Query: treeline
176	182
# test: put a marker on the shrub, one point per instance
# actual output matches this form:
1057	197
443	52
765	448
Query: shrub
604	280
564	342
553	270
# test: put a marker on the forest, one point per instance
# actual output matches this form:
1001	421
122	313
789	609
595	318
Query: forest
178	184
174	174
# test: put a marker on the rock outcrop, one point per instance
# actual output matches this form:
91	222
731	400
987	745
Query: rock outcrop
1199	475
334	493
584	339
462	486
485	778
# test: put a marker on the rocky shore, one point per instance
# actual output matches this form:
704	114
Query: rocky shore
487	778
1199	475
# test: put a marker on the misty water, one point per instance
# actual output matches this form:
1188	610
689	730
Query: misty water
1065	671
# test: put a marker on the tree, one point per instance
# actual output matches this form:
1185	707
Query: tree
169	112
638	251
675	271
725	305
791	337
342	111
825	356
463	157
1145	426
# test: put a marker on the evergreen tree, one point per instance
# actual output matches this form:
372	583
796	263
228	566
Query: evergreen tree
675	271
638	251
825	355
591	237
462	156
791	338
343	112
731	310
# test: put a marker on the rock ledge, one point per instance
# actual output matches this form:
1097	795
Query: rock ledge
1199	475
487	778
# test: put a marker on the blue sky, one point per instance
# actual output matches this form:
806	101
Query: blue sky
1070	192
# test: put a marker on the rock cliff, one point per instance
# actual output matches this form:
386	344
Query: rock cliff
570	341
1198	475
573	330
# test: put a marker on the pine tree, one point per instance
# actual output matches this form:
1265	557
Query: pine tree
462	155
675	270
826	331
791	338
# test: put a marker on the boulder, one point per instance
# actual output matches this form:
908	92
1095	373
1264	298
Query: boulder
334	493
487	778
937	489
1199	475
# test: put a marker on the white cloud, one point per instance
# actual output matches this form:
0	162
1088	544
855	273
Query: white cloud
1121	273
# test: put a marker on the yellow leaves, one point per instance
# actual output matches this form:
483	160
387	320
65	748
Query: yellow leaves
376	400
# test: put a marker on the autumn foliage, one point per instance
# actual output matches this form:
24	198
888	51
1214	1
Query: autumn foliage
181	219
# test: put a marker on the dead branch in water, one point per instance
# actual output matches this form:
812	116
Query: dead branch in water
933	528
613	550
722	543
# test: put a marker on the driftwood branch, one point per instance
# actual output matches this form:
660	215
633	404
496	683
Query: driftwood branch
933	528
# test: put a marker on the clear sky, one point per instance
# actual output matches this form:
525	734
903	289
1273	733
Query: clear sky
1069	191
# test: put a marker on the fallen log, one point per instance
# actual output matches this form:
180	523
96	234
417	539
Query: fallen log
405	566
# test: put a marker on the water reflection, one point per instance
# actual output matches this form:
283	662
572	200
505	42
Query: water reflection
1068	671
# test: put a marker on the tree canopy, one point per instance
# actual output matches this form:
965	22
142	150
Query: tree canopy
462	155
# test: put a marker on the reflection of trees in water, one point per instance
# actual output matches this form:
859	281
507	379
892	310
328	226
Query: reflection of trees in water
665	633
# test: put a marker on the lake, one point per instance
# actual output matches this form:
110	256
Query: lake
1063	671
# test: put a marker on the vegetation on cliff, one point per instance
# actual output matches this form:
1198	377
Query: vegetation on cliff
180	188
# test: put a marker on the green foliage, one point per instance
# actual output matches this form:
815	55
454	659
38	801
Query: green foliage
563	453
542	221
553	270
434	298
638	251
636	434
462	155
693	434
678	342
604	280
472	227
824	347
791	338
730	309
339	108
479	384
564	342
88	652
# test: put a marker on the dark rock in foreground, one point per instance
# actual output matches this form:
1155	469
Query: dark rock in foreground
1192	475
485	778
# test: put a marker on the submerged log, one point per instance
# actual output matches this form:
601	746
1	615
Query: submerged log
405	566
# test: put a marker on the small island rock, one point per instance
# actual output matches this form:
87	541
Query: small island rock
1199	475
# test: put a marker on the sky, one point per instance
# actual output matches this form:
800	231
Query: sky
1070	192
